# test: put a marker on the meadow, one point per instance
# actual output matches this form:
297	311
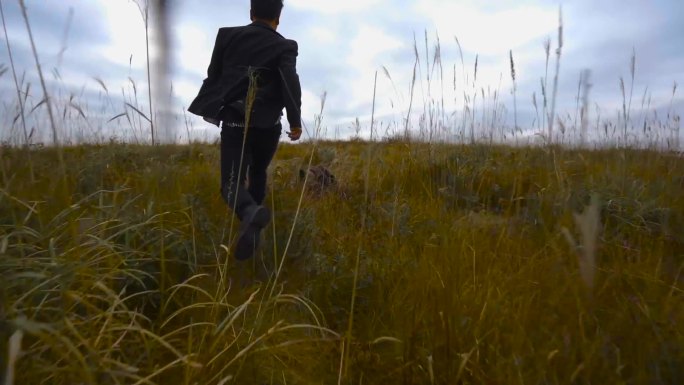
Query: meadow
442	254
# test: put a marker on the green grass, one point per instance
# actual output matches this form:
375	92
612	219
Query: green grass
119	272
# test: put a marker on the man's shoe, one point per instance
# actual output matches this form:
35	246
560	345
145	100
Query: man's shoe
255	218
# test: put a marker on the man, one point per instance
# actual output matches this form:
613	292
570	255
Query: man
251	78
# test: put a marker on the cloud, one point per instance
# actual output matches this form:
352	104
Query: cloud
193	49
335	7
489	31
322	35
343	43
125	28
365	59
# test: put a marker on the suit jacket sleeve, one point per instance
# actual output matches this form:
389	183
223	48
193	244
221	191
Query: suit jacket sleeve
291	88
214	71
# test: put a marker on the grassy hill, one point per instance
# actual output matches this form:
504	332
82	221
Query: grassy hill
424	264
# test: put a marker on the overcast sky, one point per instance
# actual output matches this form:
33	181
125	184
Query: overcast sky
343	43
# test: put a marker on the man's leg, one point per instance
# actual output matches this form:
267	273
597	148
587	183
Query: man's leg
253	217
264	145
233	190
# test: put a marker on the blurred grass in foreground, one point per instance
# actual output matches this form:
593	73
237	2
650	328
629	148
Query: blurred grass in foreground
466	274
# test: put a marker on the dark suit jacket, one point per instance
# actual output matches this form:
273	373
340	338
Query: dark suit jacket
272	58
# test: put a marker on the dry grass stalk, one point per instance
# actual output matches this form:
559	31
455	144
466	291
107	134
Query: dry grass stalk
675	119
515	102
53	123
3	70
46	98
624	111
632	72
472	120
413	87
589	225
577	100
584	113
544	80
13	352
346	343
552	115
16	81
465	81
428	71
536	109
438	59
144	8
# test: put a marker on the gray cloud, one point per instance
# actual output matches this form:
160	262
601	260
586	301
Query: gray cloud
598	36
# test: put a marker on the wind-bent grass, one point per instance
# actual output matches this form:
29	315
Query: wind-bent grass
98	292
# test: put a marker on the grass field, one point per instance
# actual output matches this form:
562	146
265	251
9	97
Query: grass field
424	264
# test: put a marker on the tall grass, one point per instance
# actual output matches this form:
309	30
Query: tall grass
461	271
347	342
144	8
559	49
22	112
515	100
46	94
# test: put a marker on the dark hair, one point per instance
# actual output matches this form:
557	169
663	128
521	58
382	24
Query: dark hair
267	9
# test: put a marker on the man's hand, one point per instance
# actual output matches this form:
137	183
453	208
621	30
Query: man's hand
295	133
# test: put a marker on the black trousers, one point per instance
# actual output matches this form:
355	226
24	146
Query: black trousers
246	185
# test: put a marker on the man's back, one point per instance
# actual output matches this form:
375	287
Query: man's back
272	57
255	44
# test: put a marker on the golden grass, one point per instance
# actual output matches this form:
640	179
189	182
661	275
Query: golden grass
464	274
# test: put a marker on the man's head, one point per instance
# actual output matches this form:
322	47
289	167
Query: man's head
267	11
